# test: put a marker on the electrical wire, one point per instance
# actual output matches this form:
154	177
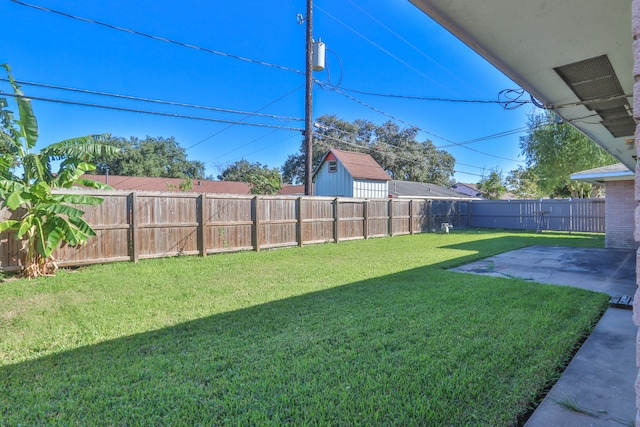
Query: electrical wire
329	69
246	117
158	38
423	98
154	101
155	113
244	145
590	101
453	143
488	137
403	39
263	148
375	44
372	149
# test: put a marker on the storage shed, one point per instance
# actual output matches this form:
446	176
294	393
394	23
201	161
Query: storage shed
348	174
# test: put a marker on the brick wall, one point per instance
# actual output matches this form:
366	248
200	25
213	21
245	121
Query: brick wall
619	215
635	28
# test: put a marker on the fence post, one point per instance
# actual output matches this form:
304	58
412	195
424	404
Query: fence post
570	218
133	227
200	212
256	223
390	207
365	224
411	216
299	214
336	220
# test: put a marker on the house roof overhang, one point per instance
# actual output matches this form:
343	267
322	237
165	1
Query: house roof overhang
573	56
599	176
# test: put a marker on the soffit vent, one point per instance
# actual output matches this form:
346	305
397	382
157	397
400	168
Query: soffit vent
594	82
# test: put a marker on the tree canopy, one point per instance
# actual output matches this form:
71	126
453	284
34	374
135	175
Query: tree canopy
523	183
492	186
262	179
556	150
396	150
152	156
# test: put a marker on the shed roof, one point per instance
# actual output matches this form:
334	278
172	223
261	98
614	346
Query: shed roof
359	165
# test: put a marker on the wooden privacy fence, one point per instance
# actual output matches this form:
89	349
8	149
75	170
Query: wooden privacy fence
138	225
581	215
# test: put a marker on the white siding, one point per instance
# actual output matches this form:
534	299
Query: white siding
371	189
338	184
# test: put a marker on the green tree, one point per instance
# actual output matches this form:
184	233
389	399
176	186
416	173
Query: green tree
556	150
396	150
152	156
262	179
523	183
405	159
492	187
27	182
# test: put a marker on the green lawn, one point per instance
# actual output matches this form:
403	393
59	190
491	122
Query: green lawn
372	332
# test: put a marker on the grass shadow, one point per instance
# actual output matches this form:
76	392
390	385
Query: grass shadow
419	347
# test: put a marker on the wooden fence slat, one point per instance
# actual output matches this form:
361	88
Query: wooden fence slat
134	225
133	220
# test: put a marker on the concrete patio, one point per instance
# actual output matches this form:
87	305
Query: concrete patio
597	387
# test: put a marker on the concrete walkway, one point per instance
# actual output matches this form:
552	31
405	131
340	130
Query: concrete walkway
597	388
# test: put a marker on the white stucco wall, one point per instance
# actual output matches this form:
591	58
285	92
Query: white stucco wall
371	189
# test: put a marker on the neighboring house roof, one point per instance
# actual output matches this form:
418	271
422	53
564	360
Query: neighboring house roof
141	183
599	176
359	165
424	190
291	190
472	190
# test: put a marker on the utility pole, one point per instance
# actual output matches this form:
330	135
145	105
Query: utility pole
308	109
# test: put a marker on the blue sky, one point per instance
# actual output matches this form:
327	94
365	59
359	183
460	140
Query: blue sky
387	47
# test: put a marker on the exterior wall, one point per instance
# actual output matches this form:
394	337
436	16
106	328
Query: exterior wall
369	189
619	215
635	28
463	189
336	184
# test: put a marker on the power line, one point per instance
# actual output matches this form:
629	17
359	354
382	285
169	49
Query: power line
392	146
453	143
231	125
154	101
486	138
399	157
376	45
423	98
244	145
263	148
155	113
403	39
162	39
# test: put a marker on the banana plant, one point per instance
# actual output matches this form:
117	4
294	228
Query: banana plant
44	219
